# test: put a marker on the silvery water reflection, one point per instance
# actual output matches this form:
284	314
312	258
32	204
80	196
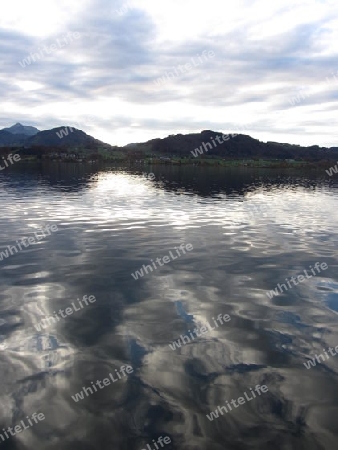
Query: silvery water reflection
249	230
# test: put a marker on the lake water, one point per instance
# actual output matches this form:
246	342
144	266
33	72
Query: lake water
250	231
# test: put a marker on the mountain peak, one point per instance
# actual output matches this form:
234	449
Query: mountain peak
18	128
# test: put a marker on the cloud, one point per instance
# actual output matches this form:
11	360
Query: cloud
265	54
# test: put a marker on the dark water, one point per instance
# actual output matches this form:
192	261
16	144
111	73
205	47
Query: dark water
249	231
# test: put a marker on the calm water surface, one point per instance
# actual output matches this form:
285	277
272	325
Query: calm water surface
250	230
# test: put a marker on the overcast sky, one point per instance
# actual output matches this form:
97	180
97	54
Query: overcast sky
132	71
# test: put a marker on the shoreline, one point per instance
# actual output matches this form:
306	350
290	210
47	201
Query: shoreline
247	164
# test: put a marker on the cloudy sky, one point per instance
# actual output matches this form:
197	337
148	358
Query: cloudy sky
132	71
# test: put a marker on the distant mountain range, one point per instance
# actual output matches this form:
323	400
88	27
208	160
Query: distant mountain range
23	136
209	144
196	146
